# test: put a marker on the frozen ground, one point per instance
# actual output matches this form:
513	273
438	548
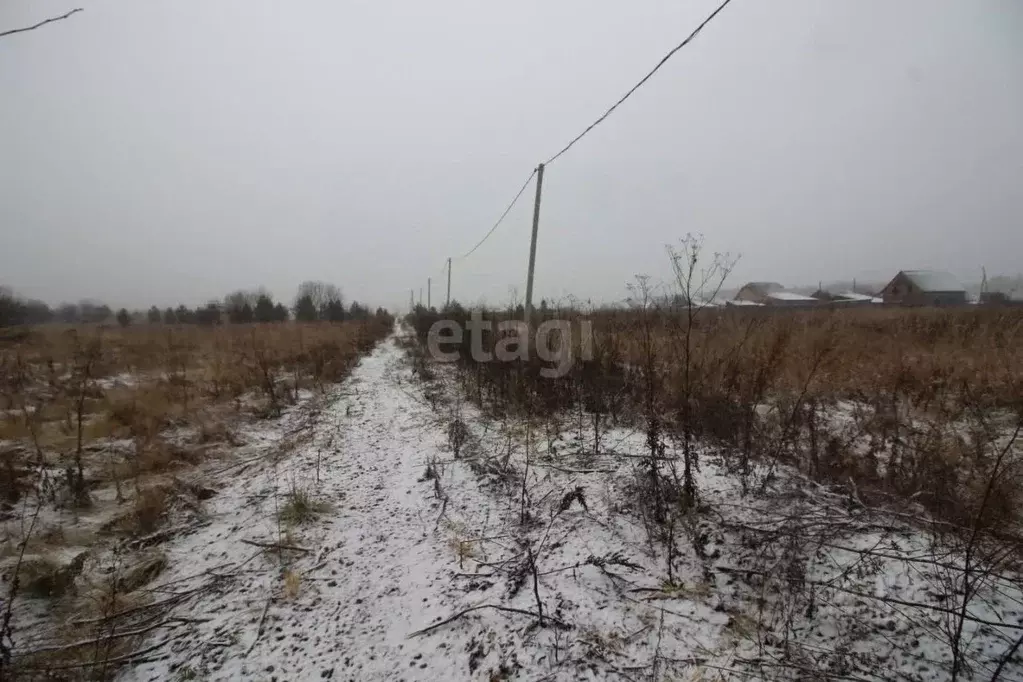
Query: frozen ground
392	551
374	570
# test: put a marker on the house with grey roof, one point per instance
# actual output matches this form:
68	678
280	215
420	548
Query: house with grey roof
756	292
854	298
772	293
924	287
790	298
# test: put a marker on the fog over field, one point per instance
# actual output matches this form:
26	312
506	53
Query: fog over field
166	152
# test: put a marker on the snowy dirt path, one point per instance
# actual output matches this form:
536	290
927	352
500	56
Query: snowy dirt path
382	558
374	572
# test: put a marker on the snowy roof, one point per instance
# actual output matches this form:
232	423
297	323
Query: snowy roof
766	287
743	303
790	296
933	280
853	296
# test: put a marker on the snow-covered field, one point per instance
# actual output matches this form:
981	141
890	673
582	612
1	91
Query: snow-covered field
405	536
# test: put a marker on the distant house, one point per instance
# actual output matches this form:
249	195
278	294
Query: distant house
852	297
845	299
773	294
993	297
790	298
756	292
924	287
999	298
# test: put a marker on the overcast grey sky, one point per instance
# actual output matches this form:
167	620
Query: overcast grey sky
173	150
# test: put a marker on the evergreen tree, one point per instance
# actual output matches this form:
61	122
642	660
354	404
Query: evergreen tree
334	311
322	295
358	311
68	313
11	311
154	315
264	311
305	309
94	312
209	314
123	317
184	315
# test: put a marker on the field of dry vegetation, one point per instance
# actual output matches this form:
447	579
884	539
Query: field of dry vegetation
825	494
911	402
835	427
98	424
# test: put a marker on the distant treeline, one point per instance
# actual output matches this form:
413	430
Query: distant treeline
315	301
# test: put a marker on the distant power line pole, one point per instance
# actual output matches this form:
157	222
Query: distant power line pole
411	300
420	295
428	281
532	245
539	170
447	302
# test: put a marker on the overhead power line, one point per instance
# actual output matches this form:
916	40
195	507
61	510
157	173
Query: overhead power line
638	85
41	23
501	219
539	169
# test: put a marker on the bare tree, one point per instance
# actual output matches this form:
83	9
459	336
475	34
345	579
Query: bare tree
976	561
87	356
322	295
698	283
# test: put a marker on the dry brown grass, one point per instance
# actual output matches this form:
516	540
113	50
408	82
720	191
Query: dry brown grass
150	509
86	636
217	431
114	415
864	349
292	584
13	428
914	402
139	382
301	506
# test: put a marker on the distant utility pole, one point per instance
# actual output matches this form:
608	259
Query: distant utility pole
448	301
411	300
420	295
428	280
532	245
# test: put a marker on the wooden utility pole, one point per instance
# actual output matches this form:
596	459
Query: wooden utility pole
428	281
420	295
447	301
532	246
411	300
